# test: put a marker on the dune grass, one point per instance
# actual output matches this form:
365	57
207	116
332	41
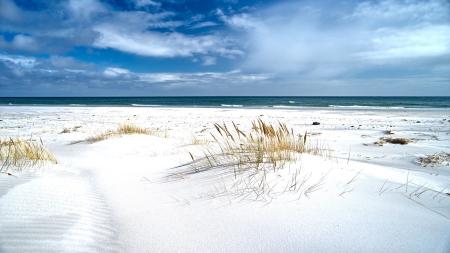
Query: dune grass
19	153
251	156
266	144
254	157
123	129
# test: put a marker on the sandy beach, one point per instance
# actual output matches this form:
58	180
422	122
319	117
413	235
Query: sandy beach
120	194
147	126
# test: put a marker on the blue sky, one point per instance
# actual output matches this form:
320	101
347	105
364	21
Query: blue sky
230	47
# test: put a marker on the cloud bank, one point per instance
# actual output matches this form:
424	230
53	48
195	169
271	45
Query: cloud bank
29	75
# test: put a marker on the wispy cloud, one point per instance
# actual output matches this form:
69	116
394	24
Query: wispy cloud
21	61
115	72
203	24
148	43
200	78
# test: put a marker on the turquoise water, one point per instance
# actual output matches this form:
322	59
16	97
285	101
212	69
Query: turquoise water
236	102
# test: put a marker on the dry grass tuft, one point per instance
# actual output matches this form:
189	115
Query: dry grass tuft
438	159
384	140
69	130
20	153
198	141
265	144
268	143
251	155
401	141
65	131
123	129
132	129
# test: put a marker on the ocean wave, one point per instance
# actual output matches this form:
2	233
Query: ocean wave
77	104
286	106
366	107
291	102
144	105
226	105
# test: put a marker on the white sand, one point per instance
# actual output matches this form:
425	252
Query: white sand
113	195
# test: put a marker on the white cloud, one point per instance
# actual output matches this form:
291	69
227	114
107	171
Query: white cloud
241	20
22	61
160	77
325	40
203	78
24	42
134	32
203	24
115	72
187	78
156	44
144	3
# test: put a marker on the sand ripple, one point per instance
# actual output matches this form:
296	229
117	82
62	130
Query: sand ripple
56	213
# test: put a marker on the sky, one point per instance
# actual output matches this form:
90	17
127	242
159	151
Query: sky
228	47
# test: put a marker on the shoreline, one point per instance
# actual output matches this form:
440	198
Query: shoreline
240	107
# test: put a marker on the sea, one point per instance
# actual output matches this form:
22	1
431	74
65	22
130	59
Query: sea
284	102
